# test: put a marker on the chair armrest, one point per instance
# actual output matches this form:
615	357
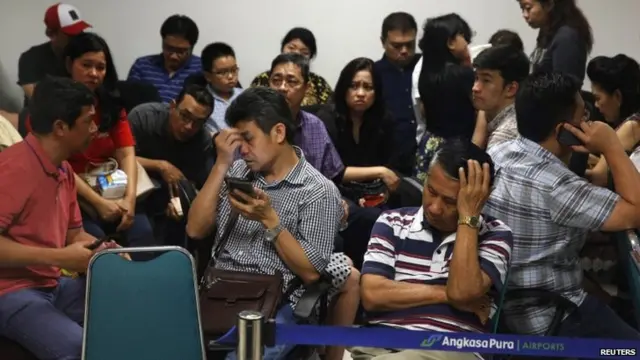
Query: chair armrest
313	294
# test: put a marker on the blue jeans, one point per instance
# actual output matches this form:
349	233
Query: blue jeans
278	352
47	322
140	234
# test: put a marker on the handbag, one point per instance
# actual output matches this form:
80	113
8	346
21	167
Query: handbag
374	193
225	293
143	187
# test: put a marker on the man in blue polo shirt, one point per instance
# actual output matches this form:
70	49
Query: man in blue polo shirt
167	71
441	266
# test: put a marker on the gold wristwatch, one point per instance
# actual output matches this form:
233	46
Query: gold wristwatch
471	221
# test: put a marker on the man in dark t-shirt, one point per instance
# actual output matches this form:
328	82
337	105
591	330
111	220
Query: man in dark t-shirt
172	145
62	21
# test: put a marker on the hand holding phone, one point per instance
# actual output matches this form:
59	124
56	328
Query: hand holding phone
567	138
239	184
595	137
96	244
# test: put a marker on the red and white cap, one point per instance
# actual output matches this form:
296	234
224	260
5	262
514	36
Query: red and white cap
65	18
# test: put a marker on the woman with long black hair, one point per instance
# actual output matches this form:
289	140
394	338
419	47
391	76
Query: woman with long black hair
445	84
361	129
615	83
564	36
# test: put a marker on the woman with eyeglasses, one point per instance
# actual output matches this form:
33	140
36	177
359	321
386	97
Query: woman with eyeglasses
302	41
88	60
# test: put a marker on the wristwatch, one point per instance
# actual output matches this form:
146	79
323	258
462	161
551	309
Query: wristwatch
272	234
472	221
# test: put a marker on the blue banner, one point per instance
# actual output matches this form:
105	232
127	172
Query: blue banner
390	338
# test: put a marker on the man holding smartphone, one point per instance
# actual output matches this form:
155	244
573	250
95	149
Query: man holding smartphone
40	224
289	212
551	210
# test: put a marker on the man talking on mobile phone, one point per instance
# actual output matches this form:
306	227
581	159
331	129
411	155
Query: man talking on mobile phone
551	210
40	225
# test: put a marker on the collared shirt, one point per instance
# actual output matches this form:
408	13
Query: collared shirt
312	137
503	127
193	157
318	92
151	69
102	146
421	123
216	121
309	207
37	208
397	95
550	210
405	248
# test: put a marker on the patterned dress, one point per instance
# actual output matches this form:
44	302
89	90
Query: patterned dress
429	145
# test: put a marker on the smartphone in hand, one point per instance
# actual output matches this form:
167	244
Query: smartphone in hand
566	138
239	184
96	244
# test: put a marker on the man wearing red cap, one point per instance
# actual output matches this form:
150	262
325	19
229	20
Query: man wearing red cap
62	21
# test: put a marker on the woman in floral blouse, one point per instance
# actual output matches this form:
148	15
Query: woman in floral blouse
302	41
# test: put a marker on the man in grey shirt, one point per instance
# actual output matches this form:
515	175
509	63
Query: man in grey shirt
172	145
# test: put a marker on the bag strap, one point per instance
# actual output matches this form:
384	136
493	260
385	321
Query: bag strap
222	242
233	219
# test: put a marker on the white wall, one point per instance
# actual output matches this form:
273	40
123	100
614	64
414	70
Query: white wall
344	29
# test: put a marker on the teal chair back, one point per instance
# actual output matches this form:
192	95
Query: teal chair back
495	320
142	310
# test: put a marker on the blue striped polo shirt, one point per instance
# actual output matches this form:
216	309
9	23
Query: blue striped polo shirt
405	248
151	69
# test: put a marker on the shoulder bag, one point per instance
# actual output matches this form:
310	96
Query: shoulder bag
225	293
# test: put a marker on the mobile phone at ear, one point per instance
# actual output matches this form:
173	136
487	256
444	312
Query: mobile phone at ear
566	138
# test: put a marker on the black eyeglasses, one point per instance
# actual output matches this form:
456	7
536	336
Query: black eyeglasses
175	50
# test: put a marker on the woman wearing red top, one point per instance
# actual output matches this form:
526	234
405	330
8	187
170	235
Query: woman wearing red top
88	60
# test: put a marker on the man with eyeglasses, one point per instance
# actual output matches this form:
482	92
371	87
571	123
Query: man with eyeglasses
167	71
220	70
171	145
290	76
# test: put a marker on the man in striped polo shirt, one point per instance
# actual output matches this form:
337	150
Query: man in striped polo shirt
441	266
168	70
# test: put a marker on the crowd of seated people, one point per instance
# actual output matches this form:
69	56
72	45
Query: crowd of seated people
413	186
